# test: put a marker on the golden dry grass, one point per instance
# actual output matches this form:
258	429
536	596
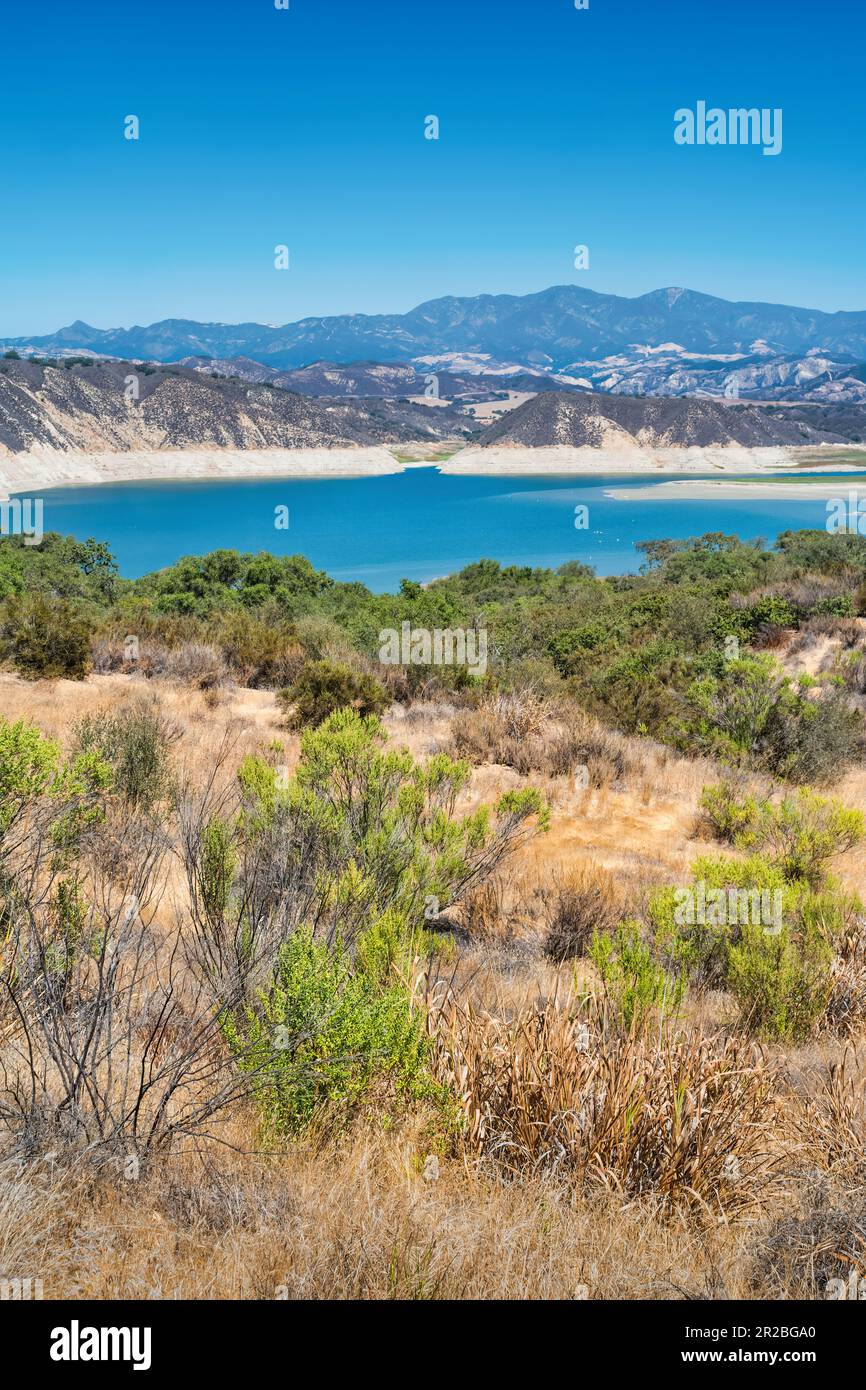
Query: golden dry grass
359	1218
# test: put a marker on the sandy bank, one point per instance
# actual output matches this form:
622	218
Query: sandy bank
780	490
559	459
38	471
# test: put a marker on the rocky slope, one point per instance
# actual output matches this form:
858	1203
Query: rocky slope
581	421
85	408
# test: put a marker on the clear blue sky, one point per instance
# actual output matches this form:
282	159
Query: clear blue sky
261	126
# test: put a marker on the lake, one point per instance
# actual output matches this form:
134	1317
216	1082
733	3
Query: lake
418	524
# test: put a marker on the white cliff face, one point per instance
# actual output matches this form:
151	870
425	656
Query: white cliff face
47	468
761	374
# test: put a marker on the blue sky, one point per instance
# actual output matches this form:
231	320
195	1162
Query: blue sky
306	127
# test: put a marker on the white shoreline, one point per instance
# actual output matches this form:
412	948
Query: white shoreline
46	469
722	459
825	489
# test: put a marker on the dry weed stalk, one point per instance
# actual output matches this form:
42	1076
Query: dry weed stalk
684	1117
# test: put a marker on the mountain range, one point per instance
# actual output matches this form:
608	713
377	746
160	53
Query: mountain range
89	408
550	330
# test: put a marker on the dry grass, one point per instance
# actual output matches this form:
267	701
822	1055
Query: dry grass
583	901
801	1252
360	1221
684	1118
520	730
589	1164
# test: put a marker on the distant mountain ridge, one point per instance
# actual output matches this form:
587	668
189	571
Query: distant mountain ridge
551	329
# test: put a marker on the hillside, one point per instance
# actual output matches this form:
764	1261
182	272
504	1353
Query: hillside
581	421
561	1086
86	408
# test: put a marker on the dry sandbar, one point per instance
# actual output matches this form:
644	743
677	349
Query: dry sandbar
780	489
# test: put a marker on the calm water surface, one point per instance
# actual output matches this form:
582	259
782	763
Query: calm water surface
418	524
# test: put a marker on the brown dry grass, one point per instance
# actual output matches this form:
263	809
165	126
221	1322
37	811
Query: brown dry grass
362	1221
358	1218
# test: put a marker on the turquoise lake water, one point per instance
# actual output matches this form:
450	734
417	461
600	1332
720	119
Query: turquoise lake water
418	524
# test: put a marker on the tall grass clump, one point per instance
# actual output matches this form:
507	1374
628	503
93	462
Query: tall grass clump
683	1118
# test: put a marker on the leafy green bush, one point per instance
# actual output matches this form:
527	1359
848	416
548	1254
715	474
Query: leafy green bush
44	801
752	714
808	739
695	927
774	611
45	638
802	832
260	651
633	980
359	844
326	686
838	606
730	712
328	1037
769	940
782	982
727	815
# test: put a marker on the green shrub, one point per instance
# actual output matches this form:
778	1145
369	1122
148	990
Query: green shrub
768	939
727	815
40	794
260	652
328	1037
45	638
808	739
781	982
802	832
633	981
136	742
326	686
695	927
359	844
836	606
729	713
773	611
753	715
